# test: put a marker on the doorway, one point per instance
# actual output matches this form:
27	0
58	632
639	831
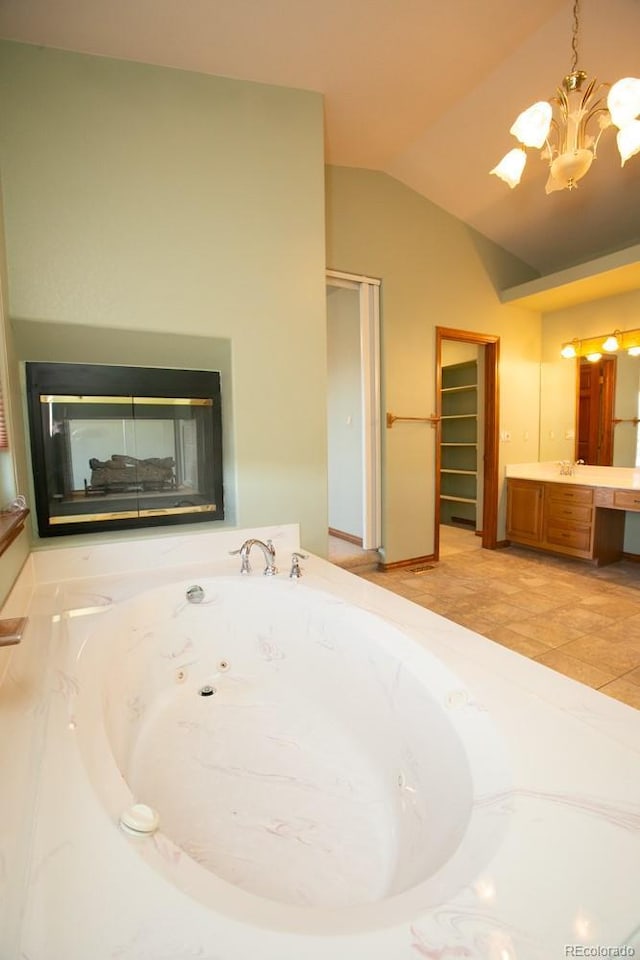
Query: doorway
466	470
353	408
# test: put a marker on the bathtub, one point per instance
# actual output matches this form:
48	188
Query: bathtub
309	765
337	773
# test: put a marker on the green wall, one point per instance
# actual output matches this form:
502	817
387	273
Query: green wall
435	271
165	203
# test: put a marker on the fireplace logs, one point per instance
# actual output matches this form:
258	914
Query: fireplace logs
123	473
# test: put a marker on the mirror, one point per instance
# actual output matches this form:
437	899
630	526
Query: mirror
608	395
626	412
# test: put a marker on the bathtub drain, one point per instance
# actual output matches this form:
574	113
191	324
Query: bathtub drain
139	820
206	691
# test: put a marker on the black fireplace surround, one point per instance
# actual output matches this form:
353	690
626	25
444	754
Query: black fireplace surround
120	447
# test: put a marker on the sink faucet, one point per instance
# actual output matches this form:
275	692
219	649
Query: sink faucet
269	556
567	467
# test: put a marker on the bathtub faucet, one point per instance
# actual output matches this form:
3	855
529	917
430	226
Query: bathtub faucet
269	556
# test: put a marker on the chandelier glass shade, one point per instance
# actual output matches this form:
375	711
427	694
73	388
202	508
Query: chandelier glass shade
568	127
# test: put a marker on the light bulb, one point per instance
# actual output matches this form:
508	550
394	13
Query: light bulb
594	357
634	351
610	344
568	351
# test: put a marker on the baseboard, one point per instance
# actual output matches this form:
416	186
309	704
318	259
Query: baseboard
501	544
633	557
412	562
349	537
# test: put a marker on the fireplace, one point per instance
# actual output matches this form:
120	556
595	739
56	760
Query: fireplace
122	447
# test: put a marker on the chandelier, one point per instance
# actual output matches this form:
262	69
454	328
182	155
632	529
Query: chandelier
567	127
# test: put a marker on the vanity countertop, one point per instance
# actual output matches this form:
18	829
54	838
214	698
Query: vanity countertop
619	478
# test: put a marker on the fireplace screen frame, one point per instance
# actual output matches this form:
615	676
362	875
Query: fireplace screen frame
124	489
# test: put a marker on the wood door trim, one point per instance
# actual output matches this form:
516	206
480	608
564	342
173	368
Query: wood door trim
491	344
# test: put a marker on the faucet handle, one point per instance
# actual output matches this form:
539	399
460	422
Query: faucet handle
245	566
296	571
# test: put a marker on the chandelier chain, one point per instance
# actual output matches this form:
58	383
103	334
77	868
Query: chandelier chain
574	38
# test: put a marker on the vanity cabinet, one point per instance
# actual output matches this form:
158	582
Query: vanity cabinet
568	519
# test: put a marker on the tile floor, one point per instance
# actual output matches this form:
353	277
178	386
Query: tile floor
580	620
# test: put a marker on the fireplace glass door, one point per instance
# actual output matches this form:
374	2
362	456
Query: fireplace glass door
123	446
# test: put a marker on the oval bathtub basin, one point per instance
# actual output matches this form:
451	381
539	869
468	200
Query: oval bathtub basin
295	746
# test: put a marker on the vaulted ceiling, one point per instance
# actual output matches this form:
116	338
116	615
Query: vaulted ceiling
423	90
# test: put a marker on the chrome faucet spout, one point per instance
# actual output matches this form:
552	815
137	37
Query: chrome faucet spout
268	551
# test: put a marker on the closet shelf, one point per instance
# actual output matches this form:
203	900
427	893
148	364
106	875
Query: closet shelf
459	442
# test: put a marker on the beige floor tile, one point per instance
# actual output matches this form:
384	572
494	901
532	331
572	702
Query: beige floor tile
633	676
471	621
544	629
582	621
613	655
496	611
506	588
535	601
581	618
576	669
514	641
617	608
443	607
630	626
622	689
414	584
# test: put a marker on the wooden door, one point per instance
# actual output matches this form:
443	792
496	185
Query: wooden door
596	387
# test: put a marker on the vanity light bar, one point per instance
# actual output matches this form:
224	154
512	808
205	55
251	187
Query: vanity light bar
593	347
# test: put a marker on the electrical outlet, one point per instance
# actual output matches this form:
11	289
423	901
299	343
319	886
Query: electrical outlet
505	436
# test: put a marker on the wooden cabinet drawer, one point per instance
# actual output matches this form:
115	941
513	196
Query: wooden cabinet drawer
564	510
626	499
575	538
569	494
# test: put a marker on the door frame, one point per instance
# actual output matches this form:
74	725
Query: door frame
369	307
490	415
